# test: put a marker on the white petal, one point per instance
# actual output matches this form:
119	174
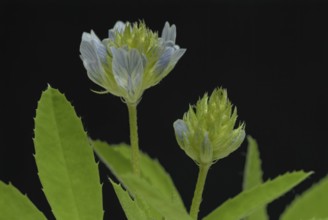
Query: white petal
118	27
169	32
128	68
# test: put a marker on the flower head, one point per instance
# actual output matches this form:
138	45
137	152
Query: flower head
207	131
131	59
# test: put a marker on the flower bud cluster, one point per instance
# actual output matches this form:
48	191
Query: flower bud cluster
207	131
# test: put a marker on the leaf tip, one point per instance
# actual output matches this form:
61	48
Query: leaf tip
250	138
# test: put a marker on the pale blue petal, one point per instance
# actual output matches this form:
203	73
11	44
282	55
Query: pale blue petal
90	57
169	33
98	46
206	152
111	35
176	56
118	27
168	60
121	75
164	60
181	131
128	68
170	44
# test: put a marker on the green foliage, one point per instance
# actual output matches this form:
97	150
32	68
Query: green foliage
318	219
155	187
312	204
253	176
117	159
65	160
132	208
253	171
248	201
154	198
16	206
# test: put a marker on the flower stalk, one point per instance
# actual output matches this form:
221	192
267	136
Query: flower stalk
130	60
134	140
197	199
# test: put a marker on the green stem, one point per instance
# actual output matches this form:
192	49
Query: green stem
203	170
134	138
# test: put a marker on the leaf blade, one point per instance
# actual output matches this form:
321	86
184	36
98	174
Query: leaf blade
65	160
253	172
312	204
253	176
116	158
246	202
131	207
154	199
16	206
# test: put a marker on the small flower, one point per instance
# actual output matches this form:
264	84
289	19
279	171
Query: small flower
131	59
207	131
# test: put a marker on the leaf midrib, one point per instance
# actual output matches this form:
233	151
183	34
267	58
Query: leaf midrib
63	155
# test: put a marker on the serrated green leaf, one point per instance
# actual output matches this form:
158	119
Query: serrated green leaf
16	206
253	176
132	209
247	201
153	198
65	160
117	159
312	204
253	170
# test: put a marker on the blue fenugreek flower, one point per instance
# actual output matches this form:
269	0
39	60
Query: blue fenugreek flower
207	131
131	59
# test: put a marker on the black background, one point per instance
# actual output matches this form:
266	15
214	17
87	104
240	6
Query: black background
270	55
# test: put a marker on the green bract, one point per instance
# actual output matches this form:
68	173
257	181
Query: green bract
131	59
207	131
